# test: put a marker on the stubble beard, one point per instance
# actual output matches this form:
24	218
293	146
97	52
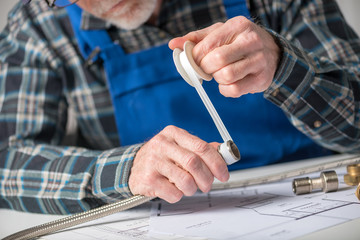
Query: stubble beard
130	16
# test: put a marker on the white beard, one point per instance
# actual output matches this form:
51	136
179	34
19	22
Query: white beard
131	15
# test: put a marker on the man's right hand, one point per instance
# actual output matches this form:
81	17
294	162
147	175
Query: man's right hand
175	163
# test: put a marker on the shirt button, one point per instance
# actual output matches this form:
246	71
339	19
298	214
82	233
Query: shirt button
162	34
275	92
317	124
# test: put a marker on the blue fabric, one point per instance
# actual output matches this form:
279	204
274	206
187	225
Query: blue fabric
236	8
149	94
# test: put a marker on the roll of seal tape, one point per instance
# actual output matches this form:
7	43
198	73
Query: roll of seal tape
193	75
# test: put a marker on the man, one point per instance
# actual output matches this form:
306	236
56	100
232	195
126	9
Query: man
140	129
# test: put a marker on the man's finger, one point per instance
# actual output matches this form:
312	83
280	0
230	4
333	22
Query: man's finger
206	152
195	36
178	176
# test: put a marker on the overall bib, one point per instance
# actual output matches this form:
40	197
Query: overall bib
148	94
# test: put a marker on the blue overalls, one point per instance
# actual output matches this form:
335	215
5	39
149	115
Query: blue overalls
148	94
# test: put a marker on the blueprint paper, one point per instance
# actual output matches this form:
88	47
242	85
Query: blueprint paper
269	211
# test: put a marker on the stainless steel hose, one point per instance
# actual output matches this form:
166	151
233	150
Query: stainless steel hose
79	218
134	201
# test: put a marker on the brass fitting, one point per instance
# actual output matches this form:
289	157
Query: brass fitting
352	178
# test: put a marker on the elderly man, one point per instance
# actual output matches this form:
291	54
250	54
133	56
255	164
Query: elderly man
93	110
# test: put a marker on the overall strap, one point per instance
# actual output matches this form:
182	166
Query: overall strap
88	40
236	8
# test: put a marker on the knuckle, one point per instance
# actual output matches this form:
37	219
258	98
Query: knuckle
200	146
192	162
255	39
172	131
239	20
156	141
169	129
219	58
218	24
228	75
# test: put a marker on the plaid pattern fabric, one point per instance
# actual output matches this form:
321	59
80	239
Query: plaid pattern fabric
318	81
43	78
176	19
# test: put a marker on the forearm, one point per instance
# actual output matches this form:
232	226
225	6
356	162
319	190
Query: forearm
62	180
320	101
37	88
318	80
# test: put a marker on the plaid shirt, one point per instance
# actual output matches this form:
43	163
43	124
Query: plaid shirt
43	78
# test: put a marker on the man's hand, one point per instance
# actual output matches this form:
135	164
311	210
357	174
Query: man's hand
175	163
241	56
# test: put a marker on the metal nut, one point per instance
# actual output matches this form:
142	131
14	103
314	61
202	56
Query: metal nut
351	180
353	169
328	182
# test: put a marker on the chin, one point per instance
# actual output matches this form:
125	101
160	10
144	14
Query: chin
134	15
127	25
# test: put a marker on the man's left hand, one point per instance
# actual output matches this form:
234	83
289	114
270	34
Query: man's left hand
240	55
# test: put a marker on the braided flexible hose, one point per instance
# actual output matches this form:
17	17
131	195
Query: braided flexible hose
79	218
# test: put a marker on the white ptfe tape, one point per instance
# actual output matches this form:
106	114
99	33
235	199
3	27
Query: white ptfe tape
193	75
229	152
187	53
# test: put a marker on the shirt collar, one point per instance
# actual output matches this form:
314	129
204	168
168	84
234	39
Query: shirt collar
90	22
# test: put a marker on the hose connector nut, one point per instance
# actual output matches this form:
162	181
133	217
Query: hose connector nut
328	182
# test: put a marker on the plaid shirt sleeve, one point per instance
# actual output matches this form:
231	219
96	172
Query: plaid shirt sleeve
37	174
317	83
